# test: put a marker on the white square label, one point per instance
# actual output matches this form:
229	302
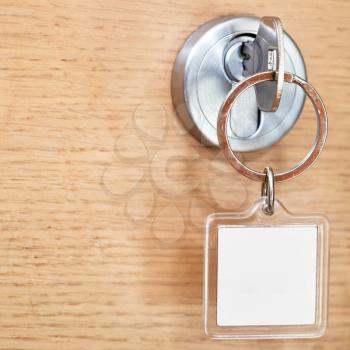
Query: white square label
266	275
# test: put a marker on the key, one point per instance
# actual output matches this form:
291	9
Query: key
266	53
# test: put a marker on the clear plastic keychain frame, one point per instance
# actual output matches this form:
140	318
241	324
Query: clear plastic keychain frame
310	301
265	269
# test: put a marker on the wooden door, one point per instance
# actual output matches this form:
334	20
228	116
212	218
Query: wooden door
103	194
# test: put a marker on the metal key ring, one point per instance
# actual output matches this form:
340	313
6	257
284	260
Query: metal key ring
225	113
268	191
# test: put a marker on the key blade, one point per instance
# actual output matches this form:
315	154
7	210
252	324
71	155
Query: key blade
247	51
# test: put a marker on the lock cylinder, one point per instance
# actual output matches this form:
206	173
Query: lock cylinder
209	64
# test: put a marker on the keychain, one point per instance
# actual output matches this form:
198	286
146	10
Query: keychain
265	269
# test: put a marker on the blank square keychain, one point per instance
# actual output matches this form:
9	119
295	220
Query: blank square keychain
266	275
265	269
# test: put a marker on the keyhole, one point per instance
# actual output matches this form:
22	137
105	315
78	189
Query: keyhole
234	57
245	115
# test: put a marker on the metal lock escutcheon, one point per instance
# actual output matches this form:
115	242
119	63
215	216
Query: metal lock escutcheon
209	64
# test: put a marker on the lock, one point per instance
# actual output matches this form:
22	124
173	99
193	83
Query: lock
212	61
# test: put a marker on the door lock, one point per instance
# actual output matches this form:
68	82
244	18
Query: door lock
215	58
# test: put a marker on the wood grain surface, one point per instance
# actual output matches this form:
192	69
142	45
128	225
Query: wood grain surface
103	194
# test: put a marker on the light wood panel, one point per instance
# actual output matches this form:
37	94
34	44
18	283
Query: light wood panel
103	194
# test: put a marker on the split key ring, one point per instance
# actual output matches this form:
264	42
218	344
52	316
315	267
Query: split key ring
224	115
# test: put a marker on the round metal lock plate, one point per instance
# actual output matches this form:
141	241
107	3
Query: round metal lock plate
209	65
